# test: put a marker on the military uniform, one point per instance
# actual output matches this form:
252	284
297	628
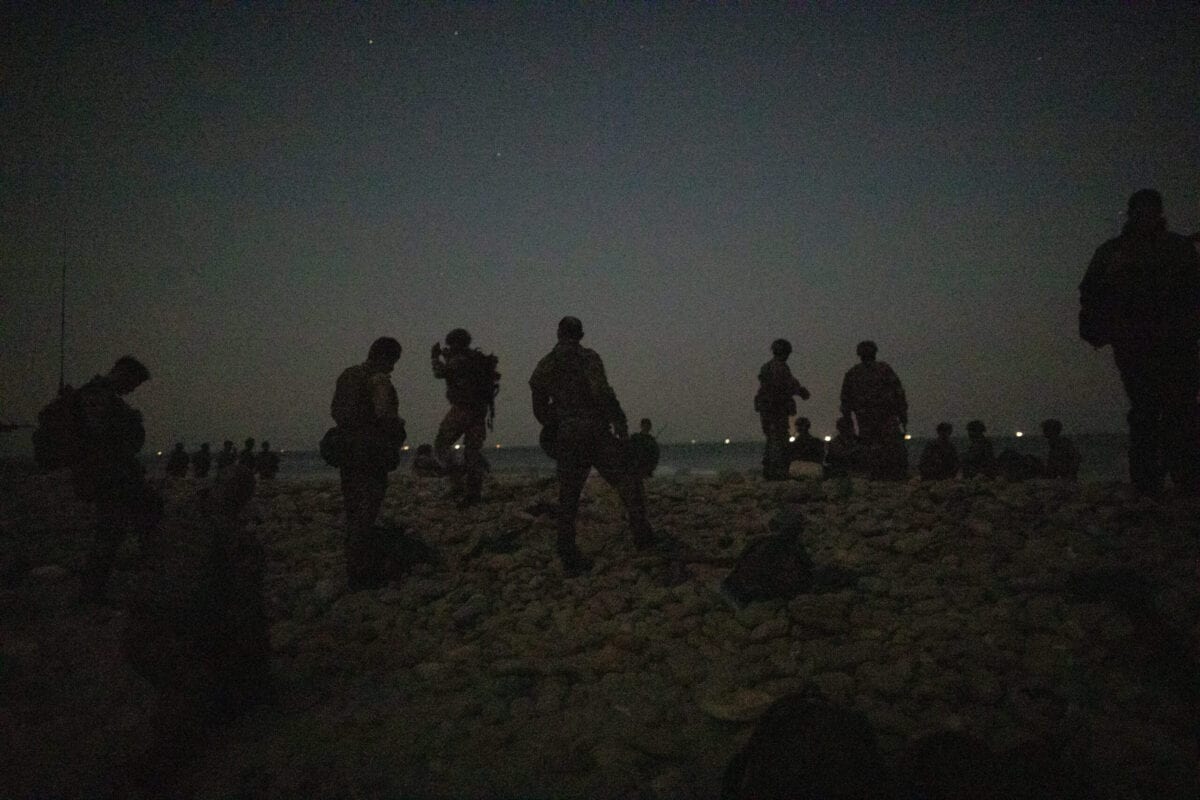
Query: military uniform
1141	294
177	464
774	404
109	474
979	459
201	462
266	464
227	457
571	397
1062	459
872	392
247	457
807	448
645	454
466	419
370	417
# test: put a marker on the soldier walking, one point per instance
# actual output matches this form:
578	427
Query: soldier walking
1141	294
585	427
775	406
874	396
471	386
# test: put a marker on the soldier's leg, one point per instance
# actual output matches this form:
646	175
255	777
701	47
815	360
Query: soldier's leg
614	464
572	474
775	428
108	534
1181	425
452	427
473	438
1142	387
362	492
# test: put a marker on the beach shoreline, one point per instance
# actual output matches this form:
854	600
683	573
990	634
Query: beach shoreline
491	675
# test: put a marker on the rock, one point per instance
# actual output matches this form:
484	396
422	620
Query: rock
886	679
430	670
913	543
743	705
771	629
469	612
513	666
327	590
427	588
836	686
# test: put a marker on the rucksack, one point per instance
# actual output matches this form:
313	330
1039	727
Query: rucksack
60	438
487	381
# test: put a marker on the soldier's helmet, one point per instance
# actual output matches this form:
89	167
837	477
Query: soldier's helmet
781	348
570	328
866	350
458	338
1149	199
945	427
975	426
1051	427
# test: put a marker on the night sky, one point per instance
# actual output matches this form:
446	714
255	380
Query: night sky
246	196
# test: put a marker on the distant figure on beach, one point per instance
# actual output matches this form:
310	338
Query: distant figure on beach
1141	294
227	457
424	464
873	395
108	473
471	386
266	463
774	404
370	433
939	460
177	462
806	447
247	457
980	458
844	455
572	398
643	449
201	461
1062	457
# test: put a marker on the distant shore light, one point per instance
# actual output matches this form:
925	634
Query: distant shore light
458	447
907	436
726	441
497	447
829	438
1020	434
405	447
791	438
159	453
693	441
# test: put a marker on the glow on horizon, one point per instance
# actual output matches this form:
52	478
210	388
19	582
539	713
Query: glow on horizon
828	438
1019	434
726	441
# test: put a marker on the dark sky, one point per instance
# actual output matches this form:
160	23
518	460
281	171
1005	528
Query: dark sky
247	195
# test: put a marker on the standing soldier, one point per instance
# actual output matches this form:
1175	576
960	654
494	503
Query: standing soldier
367	412
775	406
246	458
471	386
107	470
177	463
266	463
201	461
1141	294
873	394
584	427
227	457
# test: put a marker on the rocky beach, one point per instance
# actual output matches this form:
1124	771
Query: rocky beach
1036	614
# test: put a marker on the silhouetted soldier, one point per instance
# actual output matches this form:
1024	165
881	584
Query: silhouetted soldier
471	386
177	463
844	455
227	457
1062	458
939	460
644	450
873	394
571	396
980	458
266	463
775	406
108	472
1141	294
201	461
366	410
247	457
425	465
806	447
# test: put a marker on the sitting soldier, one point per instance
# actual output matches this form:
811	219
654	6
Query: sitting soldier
939	461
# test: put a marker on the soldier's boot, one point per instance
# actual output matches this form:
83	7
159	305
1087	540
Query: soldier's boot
574	562
472	488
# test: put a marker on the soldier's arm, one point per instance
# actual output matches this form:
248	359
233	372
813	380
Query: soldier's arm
793	385
383	397
845	396
543	411
603	392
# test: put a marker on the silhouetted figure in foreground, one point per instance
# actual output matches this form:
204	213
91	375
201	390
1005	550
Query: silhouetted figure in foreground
425	465
874	396
266	463
774	567
471	386
1141	294
806	447
1062	457
644	451
807	749
197	627
979	458
108	473
844	455
247	457
571	396
369	434
177	462
201	461
939	460
775	406
227	457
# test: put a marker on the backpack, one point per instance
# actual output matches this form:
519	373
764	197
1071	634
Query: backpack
485	381
60	438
